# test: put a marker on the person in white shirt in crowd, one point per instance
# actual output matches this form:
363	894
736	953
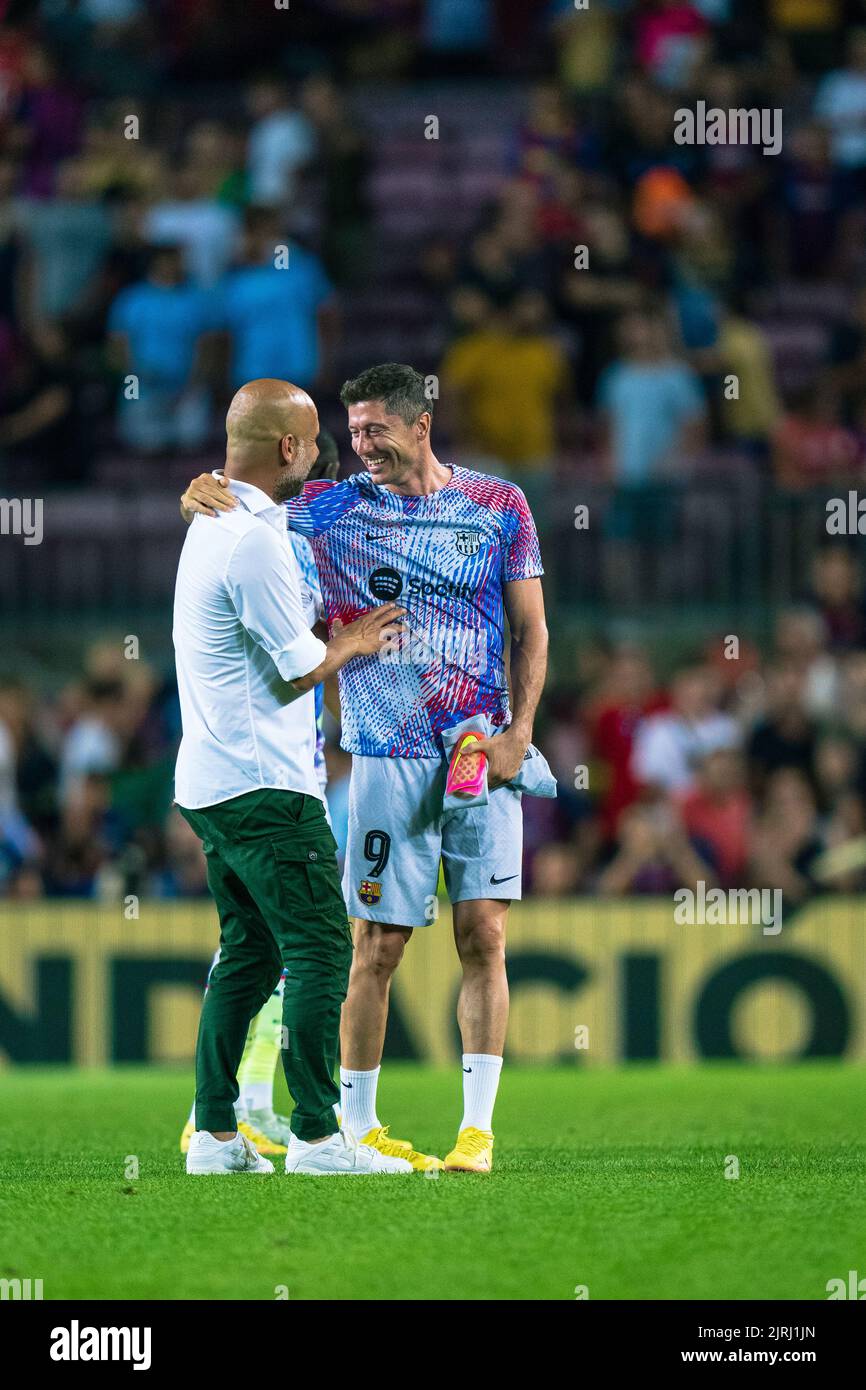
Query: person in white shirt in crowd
801	638
668	746
95	743
840	102
281	142
191	217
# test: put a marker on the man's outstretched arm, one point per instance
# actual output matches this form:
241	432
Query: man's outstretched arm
267	599
369	634
315	509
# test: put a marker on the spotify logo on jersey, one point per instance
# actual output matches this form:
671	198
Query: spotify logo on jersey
385	583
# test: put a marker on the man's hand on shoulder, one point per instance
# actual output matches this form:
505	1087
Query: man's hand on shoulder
208	496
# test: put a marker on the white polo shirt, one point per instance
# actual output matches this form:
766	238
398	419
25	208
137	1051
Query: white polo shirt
240	635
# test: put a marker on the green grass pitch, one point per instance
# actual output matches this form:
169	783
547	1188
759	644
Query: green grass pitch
610	1179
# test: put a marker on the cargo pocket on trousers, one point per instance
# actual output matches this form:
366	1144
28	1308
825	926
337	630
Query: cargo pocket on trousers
318	865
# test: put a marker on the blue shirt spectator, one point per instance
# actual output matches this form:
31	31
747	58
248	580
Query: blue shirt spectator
272	316
649	399
157	326
162	323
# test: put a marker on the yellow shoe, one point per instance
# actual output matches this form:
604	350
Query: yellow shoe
401	1148
260	1141
473	1152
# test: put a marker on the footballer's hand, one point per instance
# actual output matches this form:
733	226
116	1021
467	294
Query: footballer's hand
504	753
373	630
207	495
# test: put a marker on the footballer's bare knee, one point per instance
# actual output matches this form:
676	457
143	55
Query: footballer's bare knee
479	934
378	946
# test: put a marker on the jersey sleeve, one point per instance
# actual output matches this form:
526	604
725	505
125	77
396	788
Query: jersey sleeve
521	553
313	604
321	505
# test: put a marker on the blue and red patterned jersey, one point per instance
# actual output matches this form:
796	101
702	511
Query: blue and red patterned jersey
311	595
444	558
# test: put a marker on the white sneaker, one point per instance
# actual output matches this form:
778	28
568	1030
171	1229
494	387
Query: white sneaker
340	1154
238	1155
268	1122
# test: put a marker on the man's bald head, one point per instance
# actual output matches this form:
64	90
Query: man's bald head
271	429
266	410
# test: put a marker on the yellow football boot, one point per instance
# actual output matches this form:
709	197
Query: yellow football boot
473	1152
401	1148
261	1142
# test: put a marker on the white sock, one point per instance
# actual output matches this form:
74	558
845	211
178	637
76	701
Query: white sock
256	1095
480	1084
358	1091
192	1115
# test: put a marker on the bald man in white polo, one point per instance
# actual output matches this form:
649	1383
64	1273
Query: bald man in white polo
245	781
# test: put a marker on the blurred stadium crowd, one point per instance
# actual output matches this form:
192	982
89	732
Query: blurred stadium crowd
739	769
433	169
143	198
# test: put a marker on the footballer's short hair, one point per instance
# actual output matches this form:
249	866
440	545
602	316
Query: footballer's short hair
399	387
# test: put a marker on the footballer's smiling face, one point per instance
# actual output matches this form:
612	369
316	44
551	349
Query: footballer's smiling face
389	449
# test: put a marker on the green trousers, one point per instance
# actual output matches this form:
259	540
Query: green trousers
272	869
